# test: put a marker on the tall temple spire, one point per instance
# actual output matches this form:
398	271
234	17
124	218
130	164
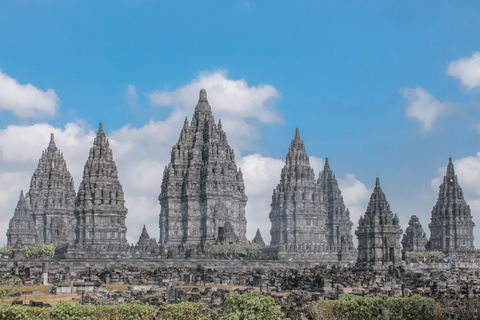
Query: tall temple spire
451	226
298	214
414	238
202	189
338	223
51	200
22	225
100	205
378	233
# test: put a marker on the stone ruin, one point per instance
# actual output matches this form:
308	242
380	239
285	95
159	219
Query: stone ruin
414	238
203	194
451	226
378	234
203	203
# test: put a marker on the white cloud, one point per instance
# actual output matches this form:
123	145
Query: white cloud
241	108
466	70
132	98
423	107
356	196
261	176
26	100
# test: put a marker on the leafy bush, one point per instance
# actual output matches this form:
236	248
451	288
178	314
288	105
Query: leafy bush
234	250
353	307
6	251
252	306
187	311
73	311
410	308
431	256
9	285
40	251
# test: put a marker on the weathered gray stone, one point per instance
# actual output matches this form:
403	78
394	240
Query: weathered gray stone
451	226
298	214
338	223
203	195
414	238
378	234
100	205
145	239
50	203
258	239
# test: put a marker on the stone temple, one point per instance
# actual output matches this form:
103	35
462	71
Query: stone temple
451	226
309	219
45	214
100	206
203	194
203	203
414	238
378	234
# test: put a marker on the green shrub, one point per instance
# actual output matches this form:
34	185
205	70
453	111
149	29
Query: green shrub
431	256
410	308
40	251
187	311
353	307
250	306
6	251
74	311
9	285
235	250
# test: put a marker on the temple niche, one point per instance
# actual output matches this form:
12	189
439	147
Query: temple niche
203	194
45	213
414	238
378	234
451	226
100	205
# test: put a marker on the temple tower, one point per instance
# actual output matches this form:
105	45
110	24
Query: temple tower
52	198
50	202
338	223
298	215
22	225
100	205
378	233
451	226
203	194
414	238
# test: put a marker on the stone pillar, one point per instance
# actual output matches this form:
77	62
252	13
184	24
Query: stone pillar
45	273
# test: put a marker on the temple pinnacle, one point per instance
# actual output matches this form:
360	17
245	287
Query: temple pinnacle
100	128
52	145
297	133
203	96
377	182
203	105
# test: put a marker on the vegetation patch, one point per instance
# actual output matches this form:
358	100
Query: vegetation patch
40	251
235	250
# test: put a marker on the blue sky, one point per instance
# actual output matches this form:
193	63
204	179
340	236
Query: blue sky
344	72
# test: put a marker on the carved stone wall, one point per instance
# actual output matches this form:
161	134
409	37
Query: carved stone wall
202	190
451	226
100	205
378	234
414	238
49	203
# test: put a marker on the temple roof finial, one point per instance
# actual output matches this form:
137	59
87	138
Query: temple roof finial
297	133
100	128
52	145
377	182
203	96
202	104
